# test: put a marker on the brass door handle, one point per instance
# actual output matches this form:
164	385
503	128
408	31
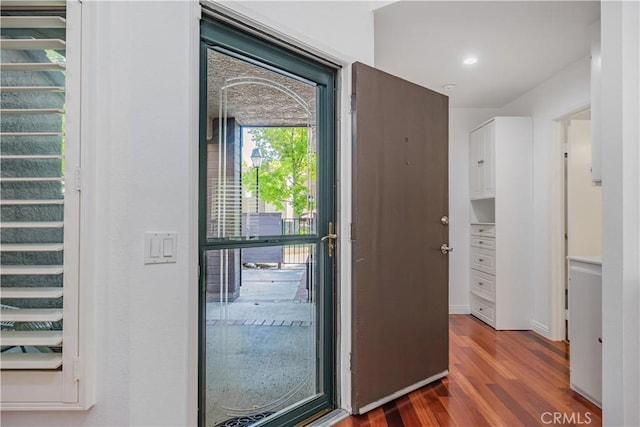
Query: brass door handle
331	237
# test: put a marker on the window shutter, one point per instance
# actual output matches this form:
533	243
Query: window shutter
39	209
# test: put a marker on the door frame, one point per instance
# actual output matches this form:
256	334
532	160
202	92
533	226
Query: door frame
237	42
558	254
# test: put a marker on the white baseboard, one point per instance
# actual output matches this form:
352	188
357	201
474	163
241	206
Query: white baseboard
541	329
459	309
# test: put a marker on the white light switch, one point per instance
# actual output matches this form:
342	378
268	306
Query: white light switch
167	247
160	247
155	248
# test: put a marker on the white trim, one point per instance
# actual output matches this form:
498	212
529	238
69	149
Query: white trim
402	392
460	309
265	27
344	215
541	329
557	262
192	237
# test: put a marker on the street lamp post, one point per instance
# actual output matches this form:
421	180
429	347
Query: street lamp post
256	159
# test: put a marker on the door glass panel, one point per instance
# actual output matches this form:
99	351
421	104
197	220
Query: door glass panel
261	351
261	151
260	332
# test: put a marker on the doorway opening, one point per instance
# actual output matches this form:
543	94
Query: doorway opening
581	200
266	190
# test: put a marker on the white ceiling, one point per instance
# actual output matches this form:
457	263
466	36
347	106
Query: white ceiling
519	44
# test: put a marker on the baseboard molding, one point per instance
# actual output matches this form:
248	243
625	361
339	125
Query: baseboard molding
459	309
402	392
541	329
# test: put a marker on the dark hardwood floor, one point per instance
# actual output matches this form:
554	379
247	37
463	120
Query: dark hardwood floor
497	378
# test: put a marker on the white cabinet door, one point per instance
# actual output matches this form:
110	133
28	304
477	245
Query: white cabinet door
476	163
585	332
482	182
489	171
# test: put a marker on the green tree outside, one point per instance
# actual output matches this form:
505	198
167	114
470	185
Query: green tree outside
287	167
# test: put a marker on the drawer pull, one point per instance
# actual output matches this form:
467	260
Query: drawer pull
480	260
600	340
480	308
481	242
480	162
481	230
480	283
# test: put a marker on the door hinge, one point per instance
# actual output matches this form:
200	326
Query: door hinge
76	369
566	314
353	103
76	178
352	232
350	360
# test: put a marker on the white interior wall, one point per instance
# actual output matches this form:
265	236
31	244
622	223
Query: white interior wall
584	199
141	110
621	215
565	92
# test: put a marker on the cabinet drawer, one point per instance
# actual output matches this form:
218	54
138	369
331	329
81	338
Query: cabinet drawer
483	260
483	242
483	285
483	230
483	310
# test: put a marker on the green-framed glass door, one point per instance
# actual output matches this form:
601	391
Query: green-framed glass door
267	197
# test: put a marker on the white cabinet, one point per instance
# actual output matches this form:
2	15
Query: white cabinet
482	260
585	327
501	212
481	162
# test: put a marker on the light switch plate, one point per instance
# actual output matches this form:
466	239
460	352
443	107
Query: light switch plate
160	247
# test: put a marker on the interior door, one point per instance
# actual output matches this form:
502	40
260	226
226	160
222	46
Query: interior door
400	275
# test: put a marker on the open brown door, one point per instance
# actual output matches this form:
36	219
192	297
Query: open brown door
400	274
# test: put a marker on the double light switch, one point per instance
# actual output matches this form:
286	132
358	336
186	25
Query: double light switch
159	247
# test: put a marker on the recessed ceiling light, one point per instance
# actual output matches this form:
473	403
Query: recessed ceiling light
449	87
470	60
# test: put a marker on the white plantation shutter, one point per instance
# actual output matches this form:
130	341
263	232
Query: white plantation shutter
39	160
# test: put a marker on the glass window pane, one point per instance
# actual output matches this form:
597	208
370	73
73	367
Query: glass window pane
260	331
261	151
